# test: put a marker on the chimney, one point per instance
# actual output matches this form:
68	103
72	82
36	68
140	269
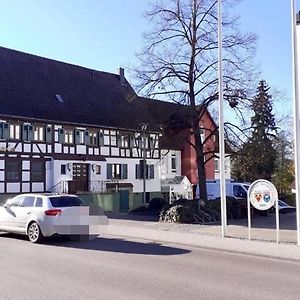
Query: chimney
122	76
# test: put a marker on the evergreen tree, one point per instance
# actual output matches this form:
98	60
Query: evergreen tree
256	159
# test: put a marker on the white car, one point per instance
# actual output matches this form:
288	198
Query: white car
44	215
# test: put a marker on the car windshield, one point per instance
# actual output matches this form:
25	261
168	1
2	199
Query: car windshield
66	201
282	203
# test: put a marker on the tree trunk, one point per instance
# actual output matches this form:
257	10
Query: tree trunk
200	160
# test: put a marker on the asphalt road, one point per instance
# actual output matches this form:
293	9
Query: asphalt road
110	268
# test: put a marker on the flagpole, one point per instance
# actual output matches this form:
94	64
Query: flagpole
295	64
221	124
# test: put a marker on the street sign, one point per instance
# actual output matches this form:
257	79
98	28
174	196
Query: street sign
262	194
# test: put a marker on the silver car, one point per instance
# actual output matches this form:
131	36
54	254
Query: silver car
44	215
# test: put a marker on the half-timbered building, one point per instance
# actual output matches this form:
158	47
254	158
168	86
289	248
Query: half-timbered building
67	128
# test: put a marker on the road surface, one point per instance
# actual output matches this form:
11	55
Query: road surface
115	268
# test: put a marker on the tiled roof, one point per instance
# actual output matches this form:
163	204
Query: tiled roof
29	85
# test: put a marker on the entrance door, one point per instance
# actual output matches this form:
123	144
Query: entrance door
124	201
81	177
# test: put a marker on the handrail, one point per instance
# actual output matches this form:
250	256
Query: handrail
96	186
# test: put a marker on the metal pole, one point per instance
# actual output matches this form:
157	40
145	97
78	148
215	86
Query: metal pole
295	65
144	128
144	173
277	221
221	124
249	216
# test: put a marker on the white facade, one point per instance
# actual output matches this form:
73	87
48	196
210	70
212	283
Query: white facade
39	157
170	163
227	166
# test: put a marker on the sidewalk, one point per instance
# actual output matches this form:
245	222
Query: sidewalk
208	237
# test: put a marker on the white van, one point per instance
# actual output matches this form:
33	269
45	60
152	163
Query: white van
237	190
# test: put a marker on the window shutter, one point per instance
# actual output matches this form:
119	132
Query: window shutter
86	137
101	139
137	172
151	168
131	141
119	140
77	137
24	132
48	134
109	171
124	171
61	135
30	133
151	142
141	169
140	142
4	131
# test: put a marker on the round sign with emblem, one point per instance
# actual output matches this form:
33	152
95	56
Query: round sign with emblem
262	194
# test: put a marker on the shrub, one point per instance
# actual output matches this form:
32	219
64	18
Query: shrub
187	211
140	209
179	214
156	204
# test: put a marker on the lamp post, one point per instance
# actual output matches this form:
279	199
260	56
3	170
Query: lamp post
221	124
296	92
144	127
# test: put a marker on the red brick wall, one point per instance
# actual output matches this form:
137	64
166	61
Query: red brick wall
188	154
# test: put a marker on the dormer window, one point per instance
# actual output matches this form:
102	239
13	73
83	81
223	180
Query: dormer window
59	98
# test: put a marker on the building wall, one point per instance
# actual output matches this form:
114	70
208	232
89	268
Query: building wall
170	163
55	150
188	154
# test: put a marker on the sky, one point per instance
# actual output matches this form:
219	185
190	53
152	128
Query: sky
106	35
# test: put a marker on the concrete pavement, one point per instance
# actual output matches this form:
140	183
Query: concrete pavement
209	236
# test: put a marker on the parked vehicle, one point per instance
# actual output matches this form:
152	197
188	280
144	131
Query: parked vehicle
237	190
44	215
284	208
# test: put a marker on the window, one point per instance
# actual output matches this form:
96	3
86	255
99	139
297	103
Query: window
28	201
39	202
202	134
139	171
116	171
37	171
123	141
113	140
239	192
27	132
94	139
79	137
69	136
173	163
13	170
66	201
217	165
39	133
16	201
98	169
14	132
63	169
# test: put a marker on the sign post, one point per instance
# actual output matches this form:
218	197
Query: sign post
262	194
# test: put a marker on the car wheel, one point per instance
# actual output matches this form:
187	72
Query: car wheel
34	233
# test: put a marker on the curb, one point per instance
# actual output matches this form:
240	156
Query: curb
262	249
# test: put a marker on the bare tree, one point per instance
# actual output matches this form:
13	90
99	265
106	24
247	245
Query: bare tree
179	61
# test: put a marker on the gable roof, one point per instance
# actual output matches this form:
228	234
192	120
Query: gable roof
29	85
